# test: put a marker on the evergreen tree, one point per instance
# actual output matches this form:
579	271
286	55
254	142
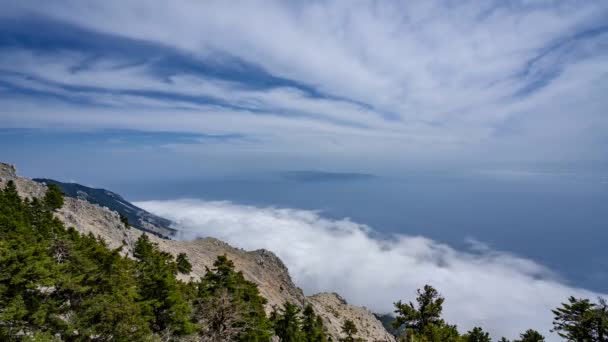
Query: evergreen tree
287	323
600	318
53	197
503	339
160	290
241	315
11	193
312	326
183	264
350	330
428	311
575	320
476	335
144	248
56	284
530	336
439	332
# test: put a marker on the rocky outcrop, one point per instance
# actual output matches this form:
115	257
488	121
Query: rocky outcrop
335	310
26	187
261	266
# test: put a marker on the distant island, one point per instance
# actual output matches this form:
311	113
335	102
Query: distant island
311	176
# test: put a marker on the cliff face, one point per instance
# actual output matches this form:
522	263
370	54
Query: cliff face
261	266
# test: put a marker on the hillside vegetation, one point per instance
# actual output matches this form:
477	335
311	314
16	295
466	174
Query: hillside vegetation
57	284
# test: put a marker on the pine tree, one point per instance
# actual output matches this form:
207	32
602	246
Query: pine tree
574	321
417	318
600	318
287	323
312	326
56	284
158	287
241	315
53	197
530	336
183	264
143	247
11	193
440	332
350	330
476	335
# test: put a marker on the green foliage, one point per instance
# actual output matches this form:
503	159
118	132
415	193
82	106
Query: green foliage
59	285
53	197
582	320
183	264
350	330
312	326
423	322
295	325
287	323
228	307
160	290
530	335
440	332
476	335
428	311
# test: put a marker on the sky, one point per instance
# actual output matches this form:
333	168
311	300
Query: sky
124	93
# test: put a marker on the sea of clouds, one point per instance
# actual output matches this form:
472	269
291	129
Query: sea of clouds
499	291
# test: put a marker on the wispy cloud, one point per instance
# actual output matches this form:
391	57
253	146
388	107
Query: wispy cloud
407	81
502	292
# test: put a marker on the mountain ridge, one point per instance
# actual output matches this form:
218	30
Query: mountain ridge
138	217
260	266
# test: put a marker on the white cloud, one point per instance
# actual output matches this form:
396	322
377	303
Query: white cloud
446	71
503	293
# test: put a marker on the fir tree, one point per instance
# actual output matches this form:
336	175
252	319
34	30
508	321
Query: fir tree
53	197
241	315
428	311
350	330
287	323
530	336
183	264
312	326
574	320
476	335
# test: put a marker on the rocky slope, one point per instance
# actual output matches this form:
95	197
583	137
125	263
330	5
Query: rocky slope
260	266
138	217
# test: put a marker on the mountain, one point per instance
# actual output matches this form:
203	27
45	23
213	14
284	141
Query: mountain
261	267
138	218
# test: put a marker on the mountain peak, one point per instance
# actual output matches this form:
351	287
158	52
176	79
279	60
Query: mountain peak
8	171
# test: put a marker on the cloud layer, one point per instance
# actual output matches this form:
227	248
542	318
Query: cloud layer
470	81
503	293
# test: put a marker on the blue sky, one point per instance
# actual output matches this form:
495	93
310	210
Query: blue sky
357	86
